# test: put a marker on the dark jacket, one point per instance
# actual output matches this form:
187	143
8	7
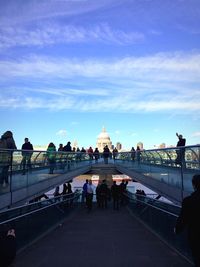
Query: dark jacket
181	142
27	146
189	217
10	142
68	147
7	250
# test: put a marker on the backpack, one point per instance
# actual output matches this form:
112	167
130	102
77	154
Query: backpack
4	155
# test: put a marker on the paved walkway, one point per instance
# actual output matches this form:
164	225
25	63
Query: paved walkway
102	238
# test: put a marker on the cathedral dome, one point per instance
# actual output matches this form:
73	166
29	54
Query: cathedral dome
103	134
103	139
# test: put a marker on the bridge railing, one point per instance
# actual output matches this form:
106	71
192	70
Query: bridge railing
34	220
161	218
188	157
22	168
173	166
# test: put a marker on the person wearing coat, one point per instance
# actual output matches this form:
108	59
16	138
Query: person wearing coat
189	219
6	142
51	156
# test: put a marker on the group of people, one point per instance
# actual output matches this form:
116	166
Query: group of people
67	190
104	194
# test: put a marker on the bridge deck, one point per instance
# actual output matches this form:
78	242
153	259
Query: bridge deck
107	238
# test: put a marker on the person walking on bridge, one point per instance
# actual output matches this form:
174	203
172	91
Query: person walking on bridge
189	218
6	142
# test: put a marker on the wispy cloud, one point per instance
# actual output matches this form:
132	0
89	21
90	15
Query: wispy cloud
59	34
165	67
196	134
62	133
23	12
163	82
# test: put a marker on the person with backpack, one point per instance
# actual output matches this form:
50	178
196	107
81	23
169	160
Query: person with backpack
6	142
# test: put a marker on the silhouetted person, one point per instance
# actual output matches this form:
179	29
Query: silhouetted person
115	193
89	195
98	197
181	152
133	152
96	155
122	187
189	218
106	154
68	147
90	153
51	156
56	192
60	147
115	152
26	155
138	154
7	247
6	142
103	193
84	192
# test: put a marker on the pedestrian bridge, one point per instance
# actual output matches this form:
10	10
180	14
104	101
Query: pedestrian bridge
157	169
140	233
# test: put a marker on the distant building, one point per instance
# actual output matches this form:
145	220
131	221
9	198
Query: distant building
40	147
75	144
140	144
163	145
119	146
103	139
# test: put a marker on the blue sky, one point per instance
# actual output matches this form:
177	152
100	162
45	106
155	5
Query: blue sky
68	68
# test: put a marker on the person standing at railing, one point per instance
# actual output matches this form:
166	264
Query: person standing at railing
90	153
51	156
6	142
106	154
26	160
68	147
138	154
133	154
189	218
115	152
180	152
96	155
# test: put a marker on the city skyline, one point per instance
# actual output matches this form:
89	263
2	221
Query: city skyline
70	67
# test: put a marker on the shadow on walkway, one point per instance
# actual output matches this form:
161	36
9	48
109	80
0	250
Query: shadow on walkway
102	238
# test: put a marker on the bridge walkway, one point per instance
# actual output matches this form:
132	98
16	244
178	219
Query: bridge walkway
107	238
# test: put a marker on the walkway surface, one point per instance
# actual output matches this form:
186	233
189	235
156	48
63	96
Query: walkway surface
102	238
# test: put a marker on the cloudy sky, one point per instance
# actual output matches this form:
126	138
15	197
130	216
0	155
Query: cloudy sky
70	67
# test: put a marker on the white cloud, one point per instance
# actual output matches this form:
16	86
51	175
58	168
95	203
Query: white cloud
58	34
196	134
20	12
62	133
162	82
158	67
